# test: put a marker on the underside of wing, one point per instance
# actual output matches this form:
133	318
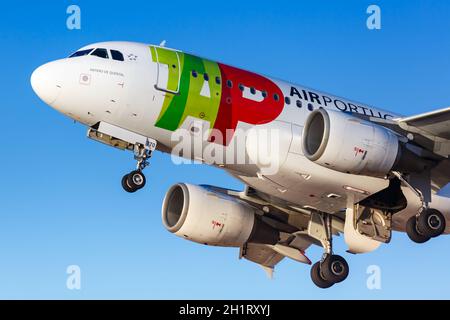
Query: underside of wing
261	254
430	132
433	129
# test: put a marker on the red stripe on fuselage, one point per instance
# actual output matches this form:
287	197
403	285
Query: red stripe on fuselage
234	107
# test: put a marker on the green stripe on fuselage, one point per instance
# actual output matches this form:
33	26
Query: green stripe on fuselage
170	115
204	96
191	100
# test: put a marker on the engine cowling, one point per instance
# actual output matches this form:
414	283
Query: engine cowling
203	215
344	143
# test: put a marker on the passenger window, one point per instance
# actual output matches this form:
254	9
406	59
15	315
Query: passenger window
287	100
253	90
310	107
299	103
194	73
218	80
206	77
264	94
276	97
102	53
81	53
229	84
241	87
117	55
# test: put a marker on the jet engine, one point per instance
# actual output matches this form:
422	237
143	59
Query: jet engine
344	143
203	215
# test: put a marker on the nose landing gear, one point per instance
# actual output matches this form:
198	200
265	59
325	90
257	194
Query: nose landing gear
135	180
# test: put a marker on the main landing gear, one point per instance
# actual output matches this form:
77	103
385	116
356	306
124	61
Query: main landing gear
331	269
429	223
135	180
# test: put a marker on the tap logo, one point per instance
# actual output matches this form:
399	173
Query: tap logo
213	92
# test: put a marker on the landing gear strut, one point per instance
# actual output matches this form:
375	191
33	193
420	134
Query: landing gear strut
135	180
331	269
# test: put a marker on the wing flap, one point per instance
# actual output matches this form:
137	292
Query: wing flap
261	254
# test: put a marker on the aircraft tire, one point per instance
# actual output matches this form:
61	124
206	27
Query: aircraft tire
335	269
125	185
413	234
136	180
317	277
431	223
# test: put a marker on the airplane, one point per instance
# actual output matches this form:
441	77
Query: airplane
314	165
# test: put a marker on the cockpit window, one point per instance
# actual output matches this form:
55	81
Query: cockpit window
117	55
102	53
81	53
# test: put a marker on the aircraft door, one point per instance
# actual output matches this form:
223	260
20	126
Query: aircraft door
168	69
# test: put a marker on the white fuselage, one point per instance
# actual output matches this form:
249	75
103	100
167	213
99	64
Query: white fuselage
90	89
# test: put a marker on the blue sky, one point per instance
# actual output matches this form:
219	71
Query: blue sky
61	202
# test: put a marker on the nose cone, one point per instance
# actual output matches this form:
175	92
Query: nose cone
46	82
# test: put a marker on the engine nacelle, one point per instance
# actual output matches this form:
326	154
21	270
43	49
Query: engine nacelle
202	215
344	143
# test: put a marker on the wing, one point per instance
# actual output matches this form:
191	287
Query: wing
268	256
430	131
434	126
292	224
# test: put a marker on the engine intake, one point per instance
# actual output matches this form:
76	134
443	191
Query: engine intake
342	142
205	216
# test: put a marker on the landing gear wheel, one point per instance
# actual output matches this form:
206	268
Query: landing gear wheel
413	233
334	268
136	180
317	277
431	223
125	185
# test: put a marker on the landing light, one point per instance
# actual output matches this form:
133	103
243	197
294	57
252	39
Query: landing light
349	188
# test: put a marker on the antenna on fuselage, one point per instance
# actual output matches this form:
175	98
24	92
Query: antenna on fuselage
163	43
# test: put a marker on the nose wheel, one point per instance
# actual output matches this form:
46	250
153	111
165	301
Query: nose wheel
135	180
